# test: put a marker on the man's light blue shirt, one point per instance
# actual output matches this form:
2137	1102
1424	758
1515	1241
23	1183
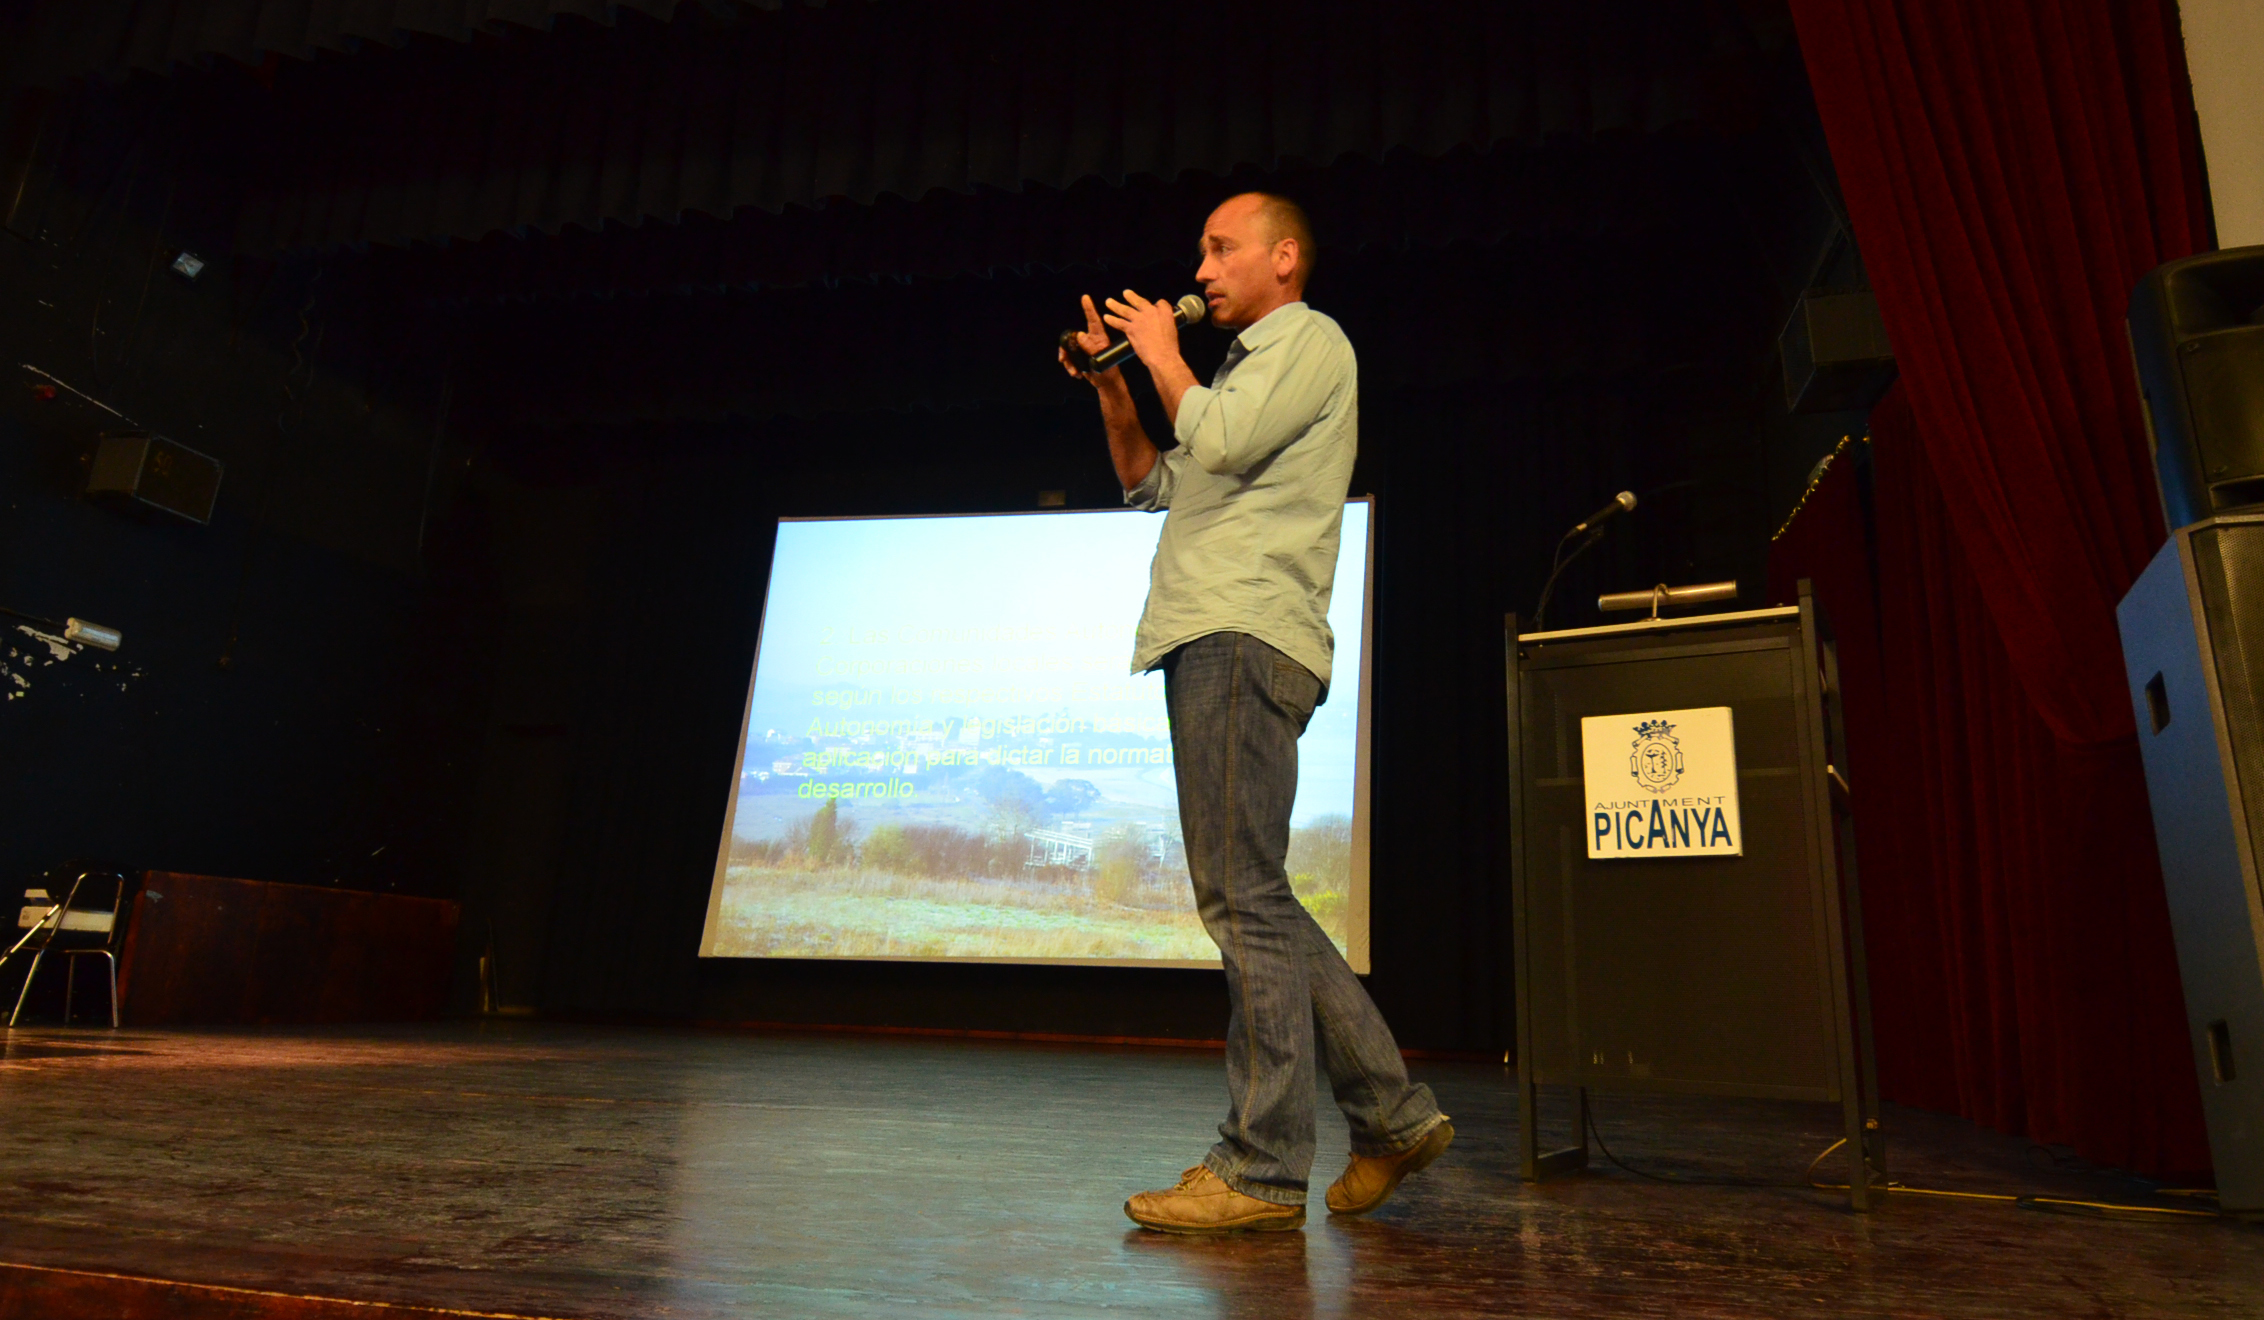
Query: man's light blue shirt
1255	492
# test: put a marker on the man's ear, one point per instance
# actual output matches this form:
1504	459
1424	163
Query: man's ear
1285	259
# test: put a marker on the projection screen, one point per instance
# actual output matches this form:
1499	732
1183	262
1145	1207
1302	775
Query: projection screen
944	757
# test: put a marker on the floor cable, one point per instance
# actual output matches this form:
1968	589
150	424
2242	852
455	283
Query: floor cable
2022	1200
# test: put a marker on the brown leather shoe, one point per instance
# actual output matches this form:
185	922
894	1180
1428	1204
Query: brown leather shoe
1203	1203
1368	1181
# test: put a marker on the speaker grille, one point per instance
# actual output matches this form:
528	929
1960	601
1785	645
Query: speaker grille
2197	338
135	468
2222	371
178	478
2229	561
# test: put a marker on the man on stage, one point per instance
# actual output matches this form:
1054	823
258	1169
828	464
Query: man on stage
1237	619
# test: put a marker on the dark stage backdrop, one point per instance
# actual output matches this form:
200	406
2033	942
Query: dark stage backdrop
1540	324
675	541
268	714
485	124
2011	170
1563	236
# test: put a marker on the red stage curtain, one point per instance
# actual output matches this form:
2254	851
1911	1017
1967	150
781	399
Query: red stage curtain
2011	169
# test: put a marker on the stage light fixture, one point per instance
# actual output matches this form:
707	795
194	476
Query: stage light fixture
79	631
92	634
1663	596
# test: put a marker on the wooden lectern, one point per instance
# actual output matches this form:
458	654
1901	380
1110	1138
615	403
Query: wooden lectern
1660	946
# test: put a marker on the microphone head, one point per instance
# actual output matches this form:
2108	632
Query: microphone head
1192	309
1626	501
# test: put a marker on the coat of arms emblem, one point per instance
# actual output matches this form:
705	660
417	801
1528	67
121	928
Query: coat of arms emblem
1656	759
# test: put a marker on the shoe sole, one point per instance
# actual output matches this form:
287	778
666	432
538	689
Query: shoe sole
1425	1153
1254	1224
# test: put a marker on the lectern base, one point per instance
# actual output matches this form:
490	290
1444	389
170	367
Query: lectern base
1557	1163
1536	1164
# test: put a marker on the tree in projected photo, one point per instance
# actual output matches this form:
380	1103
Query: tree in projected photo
1024	888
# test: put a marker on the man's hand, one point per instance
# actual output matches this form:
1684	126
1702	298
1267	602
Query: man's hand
1128	445
1092	341
1154	332
1151	326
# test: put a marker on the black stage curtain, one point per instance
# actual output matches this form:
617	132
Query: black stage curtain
114	37
1613	192
650	119
1553	308
1515	265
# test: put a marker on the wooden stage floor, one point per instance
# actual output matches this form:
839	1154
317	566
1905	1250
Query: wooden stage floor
541	1170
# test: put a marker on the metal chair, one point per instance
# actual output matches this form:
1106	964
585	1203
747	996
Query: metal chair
49	924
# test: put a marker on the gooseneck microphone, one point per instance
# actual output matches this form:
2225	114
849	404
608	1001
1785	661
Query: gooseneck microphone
1624	502
1588	530
1189	310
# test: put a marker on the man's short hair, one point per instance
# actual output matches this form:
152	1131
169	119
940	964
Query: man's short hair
1286	219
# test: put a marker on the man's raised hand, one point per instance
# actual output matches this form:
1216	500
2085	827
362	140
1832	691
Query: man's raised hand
1093	340
1152	327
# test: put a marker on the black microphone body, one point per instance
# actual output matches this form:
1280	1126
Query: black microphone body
1187	311
1624	502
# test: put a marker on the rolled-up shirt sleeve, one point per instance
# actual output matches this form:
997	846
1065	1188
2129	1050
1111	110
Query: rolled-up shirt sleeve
1272	396
1154	490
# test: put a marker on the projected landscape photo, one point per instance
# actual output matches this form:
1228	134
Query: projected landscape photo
945	757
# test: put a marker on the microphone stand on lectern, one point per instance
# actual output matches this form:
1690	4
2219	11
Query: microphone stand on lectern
1559	562
1593	525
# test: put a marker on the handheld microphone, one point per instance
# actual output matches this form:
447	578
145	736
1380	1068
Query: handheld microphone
1624	502
1189	310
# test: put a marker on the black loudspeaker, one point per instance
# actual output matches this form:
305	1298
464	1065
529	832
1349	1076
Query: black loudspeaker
2193	643
2197	332
1836	354
138	469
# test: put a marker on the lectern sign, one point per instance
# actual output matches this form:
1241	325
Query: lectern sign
1662	783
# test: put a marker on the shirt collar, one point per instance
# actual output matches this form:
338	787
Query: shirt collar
1272	325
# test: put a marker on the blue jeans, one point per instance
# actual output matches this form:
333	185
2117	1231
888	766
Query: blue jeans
1237	709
